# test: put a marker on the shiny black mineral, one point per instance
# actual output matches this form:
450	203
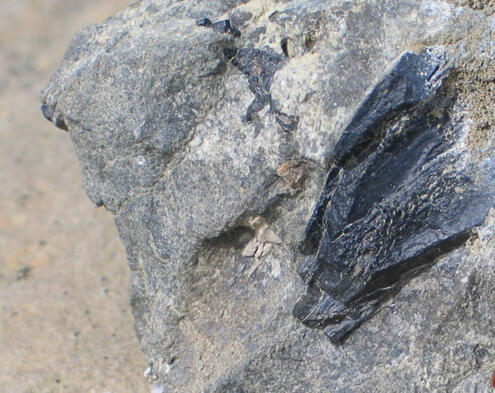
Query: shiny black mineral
397	196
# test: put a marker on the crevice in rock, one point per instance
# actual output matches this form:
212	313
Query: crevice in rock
284	46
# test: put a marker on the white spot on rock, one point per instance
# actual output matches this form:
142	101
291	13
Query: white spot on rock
275	268
139	130
141	161
158	387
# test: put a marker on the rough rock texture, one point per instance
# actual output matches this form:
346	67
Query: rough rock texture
212	151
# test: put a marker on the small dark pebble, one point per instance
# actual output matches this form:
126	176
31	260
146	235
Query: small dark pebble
22	273
223	26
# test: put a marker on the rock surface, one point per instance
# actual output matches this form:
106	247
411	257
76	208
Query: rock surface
211	141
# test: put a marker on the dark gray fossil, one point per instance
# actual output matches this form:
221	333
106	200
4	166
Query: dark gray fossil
259	66
397	196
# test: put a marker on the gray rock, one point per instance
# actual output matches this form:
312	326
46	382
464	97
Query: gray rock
211	150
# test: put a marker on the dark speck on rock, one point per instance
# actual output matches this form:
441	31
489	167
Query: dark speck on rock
223	26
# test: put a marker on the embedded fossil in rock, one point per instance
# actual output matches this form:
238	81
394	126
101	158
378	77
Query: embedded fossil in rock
397	196
259	66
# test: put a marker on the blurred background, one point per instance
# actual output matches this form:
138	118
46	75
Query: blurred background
65	320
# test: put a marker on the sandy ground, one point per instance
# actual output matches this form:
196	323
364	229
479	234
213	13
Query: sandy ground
65	322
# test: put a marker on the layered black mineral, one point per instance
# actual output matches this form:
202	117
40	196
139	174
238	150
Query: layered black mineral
397	196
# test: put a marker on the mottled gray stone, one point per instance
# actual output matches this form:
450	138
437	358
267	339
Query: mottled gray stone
212	165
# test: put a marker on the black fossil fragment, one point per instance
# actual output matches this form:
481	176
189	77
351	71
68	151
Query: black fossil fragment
259	66
397	196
